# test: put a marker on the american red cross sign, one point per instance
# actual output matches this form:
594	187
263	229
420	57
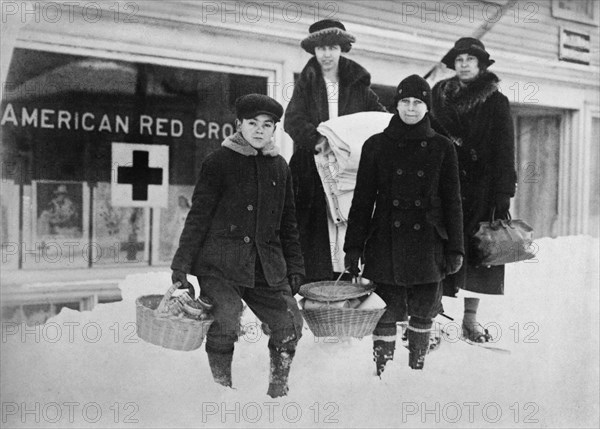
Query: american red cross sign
140	176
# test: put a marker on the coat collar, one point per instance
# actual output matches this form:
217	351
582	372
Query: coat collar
239	144
399	130
465	98
350	72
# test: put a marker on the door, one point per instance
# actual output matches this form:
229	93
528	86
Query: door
537	152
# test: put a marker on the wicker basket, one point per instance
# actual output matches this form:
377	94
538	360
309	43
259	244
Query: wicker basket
165	330
339	322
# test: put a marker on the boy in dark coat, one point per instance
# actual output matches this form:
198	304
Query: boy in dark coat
241	240
409	173
329	86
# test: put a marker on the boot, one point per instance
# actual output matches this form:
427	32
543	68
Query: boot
220	366
418	342
281	360
383	351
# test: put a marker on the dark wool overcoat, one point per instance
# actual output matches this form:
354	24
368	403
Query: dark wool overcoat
306	110
477	118
242	208
410	176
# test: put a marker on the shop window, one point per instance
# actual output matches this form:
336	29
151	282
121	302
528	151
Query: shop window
60	115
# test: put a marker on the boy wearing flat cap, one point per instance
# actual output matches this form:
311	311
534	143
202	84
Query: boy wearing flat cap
413	238
330	85
241	240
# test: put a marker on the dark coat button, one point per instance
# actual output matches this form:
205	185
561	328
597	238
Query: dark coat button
246	239
250	207
418	203
396	203
423	143
397	224
463	173
417	227
399	172
420	173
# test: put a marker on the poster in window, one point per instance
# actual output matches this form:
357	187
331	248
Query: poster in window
59	209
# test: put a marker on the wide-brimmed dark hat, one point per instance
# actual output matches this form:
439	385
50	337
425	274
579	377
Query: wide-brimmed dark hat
468	45
251	105
327	32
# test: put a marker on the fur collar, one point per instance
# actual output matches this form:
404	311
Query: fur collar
465	98
238	143
350	72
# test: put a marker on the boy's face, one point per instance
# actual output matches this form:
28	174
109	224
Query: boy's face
328	57
257	131
411	110
467	67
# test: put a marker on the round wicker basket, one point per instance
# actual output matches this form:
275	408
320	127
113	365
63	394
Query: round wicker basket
339	322
166	330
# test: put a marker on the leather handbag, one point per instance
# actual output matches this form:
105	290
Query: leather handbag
500	242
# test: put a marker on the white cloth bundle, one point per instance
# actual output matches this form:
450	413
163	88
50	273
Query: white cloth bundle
338	167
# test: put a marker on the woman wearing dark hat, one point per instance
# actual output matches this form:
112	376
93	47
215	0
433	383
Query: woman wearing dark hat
241	240
329	86
474	114
409	174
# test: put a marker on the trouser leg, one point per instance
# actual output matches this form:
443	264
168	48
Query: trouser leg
277	308
223	332
423	305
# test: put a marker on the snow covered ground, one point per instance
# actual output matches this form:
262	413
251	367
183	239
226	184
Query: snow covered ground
90	370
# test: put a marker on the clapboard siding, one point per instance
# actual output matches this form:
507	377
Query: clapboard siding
538	39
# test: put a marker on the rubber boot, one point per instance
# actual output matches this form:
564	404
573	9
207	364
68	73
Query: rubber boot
220	366
418	342
383	351
281	361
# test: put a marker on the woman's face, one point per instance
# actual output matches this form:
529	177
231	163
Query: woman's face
257	131
467	67
411	110
328	57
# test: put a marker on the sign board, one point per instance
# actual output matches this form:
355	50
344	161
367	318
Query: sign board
140	176
574	46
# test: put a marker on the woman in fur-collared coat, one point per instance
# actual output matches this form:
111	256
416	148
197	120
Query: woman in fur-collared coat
472	112
329	86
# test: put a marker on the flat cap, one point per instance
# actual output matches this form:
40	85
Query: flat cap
251	105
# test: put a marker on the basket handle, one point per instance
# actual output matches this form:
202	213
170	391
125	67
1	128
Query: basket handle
354	279
163	303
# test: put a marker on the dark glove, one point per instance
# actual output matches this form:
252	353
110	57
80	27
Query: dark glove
453	262
351	261
296	280
502	205
180	276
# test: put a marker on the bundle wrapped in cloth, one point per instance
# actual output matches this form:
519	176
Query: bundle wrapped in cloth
337	166
185	306
370	302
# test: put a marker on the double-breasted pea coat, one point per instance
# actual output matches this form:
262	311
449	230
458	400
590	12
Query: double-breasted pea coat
308	107
477	118
242	209
409	175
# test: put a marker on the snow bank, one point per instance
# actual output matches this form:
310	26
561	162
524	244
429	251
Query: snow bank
90	370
